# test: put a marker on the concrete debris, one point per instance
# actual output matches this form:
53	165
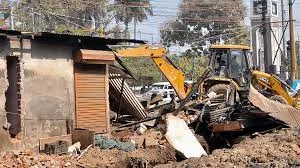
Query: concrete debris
279	148
141	129
182	139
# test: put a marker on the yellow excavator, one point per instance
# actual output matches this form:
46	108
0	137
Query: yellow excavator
231	65
224	102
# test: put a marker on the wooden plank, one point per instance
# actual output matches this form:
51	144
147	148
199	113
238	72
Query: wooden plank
97	55
93	125
90	95
93	122
100	62
90	111
94	116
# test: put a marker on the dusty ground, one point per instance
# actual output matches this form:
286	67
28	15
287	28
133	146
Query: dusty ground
276	149
154	154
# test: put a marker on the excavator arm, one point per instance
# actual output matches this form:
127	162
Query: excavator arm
263	80
175	76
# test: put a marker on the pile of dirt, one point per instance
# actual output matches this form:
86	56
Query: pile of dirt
280	148
95	157
277	149
151	150
34	160
138	158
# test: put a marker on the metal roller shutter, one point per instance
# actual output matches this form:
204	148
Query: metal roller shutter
91	91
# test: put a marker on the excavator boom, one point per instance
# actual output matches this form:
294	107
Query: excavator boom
174	75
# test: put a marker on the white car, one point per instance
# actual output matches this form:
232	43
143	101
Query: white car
164	89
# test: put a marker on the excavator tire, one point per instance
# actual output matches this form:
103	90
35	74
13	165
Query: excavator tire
279	99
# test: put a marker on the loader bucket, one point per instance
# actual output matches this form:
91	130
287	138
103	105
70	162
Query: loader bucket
285	113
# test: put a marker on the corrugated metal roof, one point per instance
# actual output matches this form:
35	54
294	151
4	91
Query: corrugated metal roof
63	37
10	32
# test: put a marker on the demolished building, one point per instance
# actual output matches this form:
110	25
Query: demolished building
51	83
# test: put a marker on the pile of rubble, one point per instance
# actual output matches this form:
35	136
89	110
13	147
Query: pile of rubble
151	149
33	159
277	149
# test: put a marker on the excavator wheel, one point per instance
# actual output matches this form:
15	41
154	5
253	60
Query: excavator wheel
279	99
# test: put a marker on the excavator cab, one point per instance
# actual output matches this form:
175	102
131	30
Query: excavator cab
231	65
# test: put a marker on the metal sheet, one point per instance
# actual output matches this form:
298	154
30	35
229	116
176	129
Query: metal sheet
91	98
133	106
282	112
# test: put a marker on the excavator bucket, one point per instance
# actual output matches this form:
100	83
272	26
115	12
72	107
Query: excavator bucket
277	110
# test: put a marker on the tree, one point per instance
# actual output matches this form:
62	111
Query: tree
132	10
201	22
80	16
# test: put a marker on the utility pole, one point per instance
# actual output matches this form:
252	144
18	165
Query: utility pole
292	42
284	56
12	24
264	32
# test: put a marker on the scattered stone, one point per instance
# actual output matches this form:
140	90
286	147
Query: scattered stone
68	164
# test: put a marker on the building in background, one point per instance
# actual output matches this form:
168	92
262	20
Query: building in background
276	54
4	18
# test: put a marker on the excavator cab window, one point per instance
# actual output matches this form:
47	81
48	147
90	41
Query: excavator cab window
239	66
219	62
231	63
238	63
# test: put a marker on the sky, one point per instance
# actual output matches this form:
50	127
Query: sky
166	10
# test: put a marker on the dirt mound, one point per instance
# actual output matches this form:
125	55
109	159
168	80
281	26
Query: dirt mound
138	158
277	149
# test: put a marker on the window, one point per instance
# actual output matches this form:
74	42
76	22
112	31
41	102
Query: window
1	16
238	63
257	6
249	57
274	8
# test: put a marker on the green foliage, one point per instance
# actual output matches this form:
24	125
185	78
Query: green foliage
4	3
202	21
127	11
143	68
192	65
81	16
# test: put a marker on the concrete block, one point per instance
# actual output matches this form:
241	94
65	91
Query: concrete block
85	137
43	141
